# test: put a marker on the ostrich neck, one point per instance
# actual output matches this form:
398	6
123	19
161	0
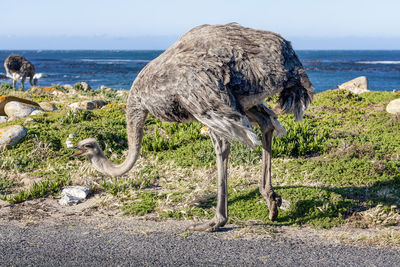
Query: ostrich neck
134	125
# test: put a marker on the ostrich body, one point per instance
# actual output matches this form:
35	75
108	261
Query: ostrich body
218	75
18	66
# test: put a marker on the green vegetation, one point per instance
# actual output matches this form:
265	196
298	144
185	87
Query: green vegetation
6	88
341	160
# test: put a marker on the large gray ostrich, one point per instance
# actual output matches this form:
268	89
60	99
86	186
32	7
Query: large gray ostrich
218	75
18	66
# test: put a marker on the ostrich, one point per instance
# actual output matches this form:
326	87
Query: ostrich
218	75
18	66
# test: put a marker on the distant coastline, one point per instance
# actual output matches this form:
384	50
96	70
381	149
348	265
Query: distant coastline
119	68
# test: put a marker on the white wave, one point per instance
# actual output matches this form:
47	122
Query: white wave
379	62
38	75
114	61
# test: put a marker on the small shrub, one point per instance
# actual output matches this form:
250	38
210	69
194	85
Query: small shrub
6	88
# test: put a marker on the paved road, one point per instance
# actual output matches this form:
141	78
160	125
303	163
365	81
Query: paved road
110	242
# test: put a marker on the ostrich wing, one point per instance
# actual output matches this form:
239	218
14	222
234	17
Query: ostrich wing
213	104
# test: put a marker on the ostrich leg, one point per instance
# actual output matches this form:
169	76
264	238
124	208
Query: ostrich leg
23	82
261	115
222	148
273	200
15	79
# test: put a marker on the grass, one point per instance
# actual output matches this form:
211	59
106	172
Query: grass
341	160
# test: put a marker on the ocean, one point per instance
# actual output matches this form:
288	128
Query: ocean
118	69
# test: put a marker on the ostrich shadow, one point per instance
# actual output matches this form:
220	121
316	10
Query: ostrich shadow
333	203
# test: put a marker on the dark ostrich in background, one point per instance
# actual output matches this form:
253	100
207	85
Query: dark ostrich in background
218	75
19	67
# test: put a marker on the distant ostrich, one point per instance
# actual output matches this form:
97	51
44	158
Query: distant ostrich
18	66
218	75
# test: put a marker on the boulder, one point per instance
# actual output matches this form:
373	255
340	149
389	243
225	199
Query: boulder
394	107
47	106
11	135
71	90
4	99
19	110
36	112
87	105
85	86
106	88
73	195
357	86
3	119
68	86
46	90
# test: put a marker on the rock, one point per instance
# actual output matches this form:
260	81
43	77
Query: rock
87	105
122	93
106	88
47	106
3	119
394	107
357	86
18	110
4	99
11	135
70	89
85	86
73	195
36	112
45	90
28	120
68	86
69	143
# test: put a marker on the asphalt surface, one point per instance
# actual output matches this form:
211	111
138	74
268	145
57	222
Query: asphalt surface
106	242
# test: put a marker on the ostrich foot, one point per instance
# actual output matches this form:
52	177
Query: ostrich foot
273	201
211	226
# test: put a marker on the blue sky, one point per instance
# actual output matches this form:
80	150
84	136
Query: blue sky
156	24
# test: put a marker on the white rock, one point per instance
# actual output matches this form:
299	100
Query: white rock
69	141
86	87
73	194
36	112
28	120
69	200
86	105
18	109
11	135
47	106
394	107
68	86
3	119
357	86
122	93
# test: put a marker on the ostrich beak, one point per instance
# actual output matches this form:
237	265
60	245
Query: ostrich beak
79	152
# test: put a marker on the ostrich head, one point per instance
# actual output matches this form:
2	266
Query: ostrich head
88	147
35	80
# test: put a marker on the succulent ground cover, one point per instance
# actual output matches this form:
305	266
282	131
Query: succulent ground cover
339	165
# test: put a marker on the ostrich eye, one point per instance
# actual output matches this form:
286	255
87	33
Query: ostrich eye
88	146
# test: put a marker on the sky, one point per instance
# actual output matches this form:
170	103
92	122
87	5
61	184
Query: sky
156	24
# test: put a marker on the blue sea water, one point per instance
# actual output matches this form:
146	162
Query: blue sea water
118	69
